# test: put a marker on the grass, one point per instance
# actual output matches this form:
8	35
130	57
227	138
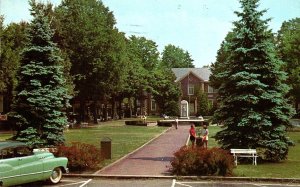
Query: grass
5	136
125	139
286	169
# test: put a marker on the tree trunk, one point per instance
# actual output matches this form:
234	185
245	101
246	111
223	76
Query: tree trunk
82	110
94	111
120	109
130	106
114	108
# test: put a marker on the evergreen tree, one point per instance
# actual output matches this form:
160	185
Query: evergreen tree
220	65
41	93
253	107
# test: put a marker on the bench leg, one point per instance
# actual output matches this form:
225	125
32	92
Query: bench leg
235	160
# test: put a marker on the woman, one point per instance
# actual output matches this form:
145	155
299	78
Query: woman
193	134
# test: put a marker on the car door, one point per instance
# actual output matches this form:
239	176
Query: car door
9	173
29	165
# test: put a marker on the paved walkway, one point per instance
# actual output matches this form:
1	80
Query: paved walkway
152	159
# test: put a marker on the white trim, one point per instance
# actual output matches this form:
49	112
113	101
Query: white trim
26	174
191	86
153	106
210	89
85	183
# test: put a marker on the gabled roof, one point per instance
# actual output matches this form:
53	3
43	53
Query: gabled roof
202	73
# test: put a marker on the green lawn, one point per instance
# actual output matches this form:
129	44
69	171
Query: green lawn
285	169
5	136
125	139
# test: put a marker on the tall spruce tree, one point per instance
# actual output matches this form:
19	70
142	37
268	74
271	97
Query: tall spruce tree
41	93
253	107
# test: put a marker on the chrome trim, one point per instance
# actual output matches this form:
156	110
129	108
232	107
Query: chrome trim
26	174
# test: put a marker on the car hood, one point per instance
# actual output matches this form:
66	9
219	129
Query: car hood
44	154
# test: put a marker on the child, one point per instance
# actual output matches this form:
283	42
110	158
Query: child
205	136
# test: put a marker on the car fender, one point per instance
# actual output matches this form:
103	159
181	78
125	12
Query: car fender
54	162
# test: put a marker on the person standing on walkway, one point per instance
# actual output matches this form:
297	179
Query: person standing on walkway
205	136
193	135
176	123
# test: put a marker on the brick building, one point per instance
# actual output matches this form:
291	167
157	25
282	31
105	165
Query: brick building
190	80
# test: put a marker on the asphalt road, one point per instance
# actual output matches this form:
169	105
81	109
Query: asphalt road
96	182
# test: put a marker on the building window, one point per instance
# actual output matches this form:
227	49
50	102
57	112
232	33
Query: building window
210	89
191	89
211	102
153	105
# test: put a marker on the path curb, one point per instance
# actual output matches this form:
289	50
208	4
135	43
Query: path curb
212	178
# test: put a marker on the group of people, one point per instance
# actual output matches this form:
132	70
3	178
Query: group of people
203	136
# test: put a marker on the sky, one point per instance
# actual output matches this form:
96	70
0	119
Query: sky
196	26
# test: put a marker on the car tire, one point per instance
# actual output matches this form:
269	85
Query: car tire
55	176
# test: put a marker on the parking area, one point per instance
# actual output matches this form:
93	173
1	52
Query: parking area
95	182
179	183
70	182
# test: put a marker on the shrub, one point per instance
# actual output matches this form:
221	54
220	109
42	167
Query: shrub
136	123
81	156
164	123
200	161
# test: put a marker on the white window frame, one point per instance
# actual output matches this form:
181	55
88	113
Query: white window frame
191	89
210	89
153	105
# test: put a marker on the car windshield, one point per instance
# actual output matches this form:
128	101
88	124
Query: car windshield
12	152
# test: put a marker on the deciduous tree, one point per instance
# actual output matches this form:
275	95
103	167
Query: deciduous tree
175	57
288	46
13	40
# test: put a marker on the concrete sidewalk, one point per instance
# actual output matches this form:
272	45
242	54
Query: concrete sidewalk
152	159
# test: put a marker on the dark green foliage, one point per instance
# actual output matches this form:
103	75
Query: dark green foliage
220	65
13	40
81	156
175	57
252	92
41	93
202	162
166	92
145	52
165	123
204	106
143	58
136	123
288	47
86	32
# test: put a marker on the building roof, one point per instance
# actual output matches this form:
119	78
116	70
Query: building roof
202	73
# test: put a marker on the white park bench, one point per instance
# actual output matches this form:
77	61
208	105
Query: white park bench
244	153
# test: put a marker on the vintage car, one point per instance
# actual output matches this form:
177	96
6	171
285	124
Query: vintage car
19	164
